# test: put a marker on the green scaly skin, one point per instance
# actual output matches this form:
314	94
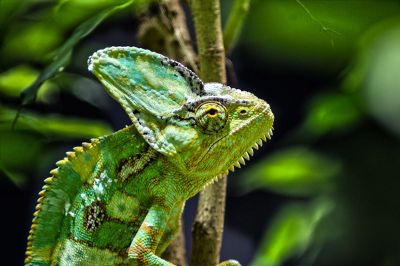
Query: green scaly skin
118	199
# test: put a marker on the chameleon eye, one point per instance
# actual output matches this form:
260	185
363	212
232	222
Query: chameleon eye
211	117
243	112
212	112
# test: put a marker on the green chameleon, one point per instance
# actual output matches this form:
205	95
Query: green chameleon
118	199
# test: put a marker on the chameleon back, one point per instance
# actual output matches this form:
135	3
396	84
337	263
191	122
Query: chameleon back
94	202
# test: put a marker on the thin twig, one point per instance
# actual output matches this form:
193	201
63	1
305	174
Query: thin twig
313	18
209	220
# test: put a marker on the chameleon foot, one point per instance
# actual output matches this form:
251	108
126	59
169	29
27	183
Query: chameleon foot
229	263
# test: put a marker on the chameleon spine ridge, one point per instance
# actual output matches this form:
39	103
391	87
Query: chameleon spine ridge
71	156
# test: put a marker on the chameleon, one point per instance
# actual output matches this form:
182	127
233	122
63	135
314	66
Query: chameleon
117	200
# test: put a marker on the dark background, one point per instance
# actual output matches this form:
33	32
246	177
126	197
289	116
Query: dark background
324	191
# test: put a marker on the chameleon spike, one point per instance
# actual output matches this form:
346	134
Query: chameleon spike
86	145
268	135
232	169
54	172
246	156
60	162
264	138
237	164
226	172
45	187
78	149
41	199
250	151
38	206
259	142
42	192
94	141
270	132
242	161
48	180
28	253
36	213
255	146
70	155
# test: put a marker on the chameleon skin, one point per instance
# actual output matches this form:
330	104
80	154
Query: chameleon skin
118	199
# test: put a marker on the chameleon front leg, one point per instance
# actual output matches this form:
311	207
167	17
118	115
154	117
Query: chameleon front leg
144	244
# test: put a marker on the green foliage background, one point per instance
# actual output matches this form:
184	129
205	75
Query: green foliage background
337	166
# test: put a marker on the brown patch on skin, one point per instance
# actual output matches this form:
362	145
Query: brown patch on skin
94	216
124	166
149	229
139	251
134	165
160	201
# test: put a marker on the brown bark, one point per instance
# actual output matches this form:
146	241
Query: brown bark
208	224
175	253
163	29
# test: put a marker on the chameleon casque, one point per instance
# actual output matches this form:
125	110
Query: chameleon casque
118	199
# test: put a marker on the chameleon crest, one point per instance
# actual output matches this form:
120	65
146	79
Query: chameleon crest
118	199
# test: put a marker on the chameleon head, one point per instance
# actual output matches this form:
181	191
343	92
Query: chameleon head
231	123
205	129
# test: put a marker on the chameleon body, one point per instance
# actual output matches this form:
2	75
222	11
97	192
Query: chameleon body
117	200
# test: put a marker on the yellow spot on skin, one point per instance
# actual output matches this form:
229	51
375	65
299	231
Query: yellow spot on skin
43	253
85	170
123	207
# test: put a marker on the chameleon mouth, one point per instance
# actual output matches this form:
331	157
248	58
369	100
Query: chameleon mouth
246	156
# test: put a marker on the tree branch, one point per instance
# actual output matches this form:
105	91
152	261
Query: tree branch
208	224
163	29
207	22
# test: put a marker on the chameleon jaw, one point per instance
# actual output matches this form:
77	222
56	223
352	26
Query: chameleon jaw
242	159
250	152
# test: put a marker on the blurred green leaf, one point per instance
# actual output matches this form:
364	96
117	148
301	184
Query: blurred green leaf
330	112
18	178
382	76
284	31
76	11
54	125
31	41
18	153
15	79
8	9
17	148
295	171
233	26
63	54
291	232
